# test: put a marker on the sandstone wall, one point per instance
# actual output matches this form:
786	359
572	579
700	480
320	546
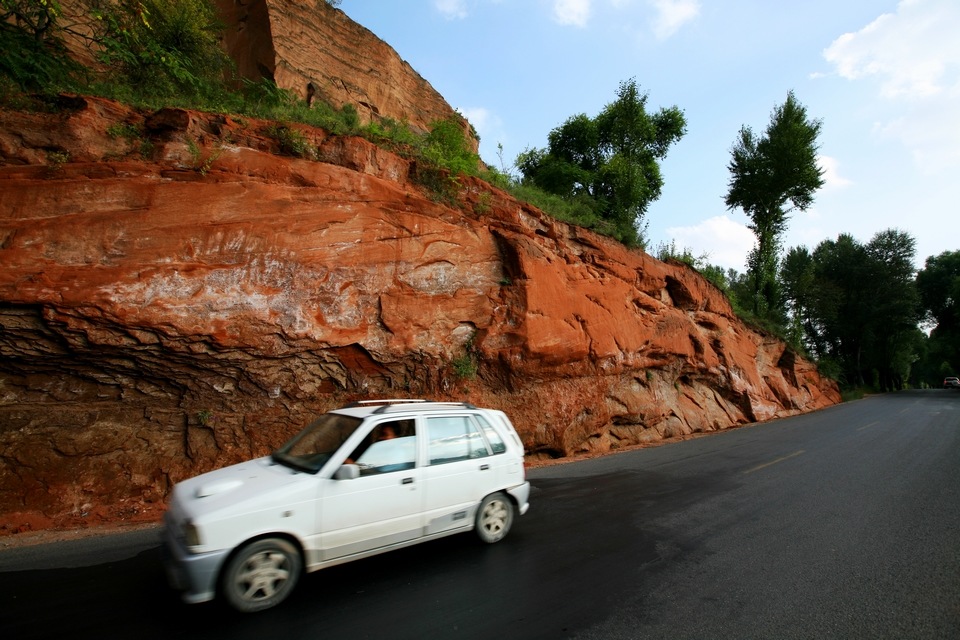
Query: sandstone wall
315	51
188	299
318	52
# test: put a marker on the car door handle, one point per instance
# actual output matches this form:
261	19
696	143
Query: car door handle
407	481
484	467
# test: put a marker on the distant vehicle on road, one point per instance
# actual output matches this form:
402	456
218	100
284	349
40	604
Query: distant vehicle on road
951	382
358	481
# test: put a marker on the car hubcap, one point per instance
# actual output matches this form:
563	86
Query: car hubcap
263	575
494	517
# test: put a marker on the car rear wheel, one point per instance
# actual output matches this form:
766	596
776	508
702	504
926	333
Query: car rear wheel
261	575
494	518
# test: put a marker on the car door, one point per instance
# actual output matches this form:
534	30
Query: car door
508	469
458	473
381	507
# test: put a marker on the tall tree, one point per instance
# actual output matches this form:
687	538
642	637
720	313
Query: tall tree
895	305
862	308
796	278
771	175
839	311
938	284
613	159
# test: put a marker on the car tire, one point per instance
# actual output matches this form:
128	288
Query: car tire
494	518
261	575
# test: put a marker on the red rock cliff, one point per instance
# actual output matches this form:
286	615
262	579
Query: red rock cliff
314	49
163	316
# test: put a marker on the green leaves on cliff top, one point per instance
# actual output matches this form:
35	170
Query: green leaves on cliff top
609	163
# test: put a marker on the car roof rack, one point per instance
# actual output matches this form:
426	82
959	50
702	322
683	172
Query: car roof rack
387	403
361	403
430	405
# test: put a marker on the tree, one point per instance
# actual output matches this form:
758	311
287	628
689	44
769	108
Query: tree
771	175
796	278
34	56
895	305
612	159
861	307
37	18
938	285
838	311
161	47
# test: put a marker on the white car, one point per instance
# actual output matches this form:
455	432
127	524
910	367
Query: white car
358	481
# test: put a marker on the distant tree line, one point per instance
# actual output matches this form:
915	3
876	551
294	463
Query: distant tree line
855	308
860	310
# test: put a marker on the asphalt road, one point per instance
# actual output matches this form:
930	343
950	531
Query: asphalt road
844	523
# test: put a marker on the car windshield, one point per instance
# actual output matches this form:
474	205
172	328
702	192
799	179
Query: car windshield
310	449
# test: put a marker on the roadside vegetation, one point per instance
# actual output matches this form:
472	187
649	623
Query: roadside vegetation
858	309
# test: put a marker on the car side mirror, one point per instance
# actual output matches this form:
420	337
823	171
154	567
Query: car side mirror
347	472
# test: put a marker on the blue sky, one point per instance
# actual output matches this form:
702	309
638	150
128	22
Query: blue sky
883	76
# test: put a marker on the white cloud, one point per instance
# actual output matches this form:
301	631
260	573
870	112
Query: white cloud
831	173
571	12
914	54
479	117
930	132
488	124
673	14
490	128
451	9
725	241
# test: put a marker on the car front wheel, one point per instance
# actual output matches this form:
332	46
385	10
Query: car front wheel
494	518
261	575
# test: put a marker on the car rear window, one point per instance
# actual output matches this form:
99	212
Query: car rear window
497	445
454	438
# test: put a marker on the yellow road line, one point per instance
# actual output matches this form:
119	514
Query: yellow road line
773	462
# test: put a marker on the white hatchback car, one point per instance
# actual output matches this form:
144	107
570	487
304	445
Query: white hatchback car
361	480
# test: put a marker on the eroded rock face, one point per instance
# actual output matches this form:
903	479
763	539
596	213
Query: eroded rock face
319	53
190	298
313	50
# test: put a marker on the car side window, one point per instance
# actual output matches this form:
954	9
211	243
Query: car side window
454	438
497	445
390	446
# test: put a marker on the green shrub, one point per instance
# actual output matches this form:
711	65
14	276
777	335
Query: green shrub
34	58
446	146
162	47
465	366
292	141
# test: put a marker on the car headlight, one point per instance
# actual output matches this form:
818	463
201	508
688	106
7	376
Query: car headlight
191	534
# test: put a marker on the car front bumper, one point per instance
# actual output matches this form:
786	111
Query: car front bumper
193	574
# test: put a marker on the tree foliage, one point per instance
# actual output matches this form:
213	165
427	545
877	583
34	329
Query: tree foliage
34	57
610	162
771	175
797	283
161	47
147	48
857	306
938	284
